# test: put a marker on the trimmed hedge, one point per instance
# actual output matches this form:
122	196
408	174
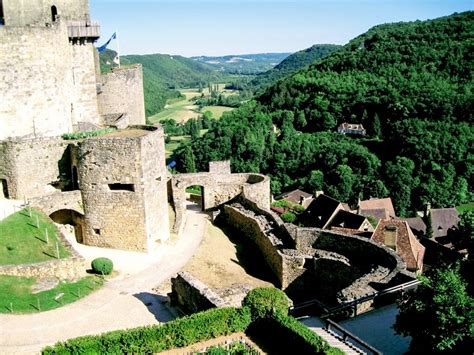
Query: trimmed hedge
102	266
178	333
266	302
290	336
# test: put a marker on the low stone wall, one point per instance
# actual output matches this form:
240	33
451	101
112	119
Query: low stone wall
70	269
191	295
254	229
305	258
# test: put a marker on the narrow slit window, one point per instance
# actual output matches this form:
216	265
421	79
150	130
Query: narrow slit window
54	13
122	187
2	17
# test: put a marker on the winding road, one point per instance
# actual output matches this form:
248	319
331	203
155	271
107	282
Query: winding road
120	304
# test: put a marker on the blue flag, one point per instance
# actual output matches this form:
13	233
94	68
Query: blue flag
104	46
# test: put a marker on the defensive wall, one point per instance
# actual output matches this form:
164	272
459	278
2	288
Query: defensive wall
308	261
219	186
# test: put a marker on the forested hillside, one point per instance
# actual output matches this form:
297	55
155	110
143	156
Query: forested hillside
163	74
291	65
409	84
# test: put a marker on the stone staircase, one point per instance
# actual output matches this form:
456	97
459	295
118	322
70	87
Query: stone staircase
317	326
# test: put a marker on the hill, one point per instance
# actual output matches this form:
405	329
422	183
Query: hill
163	74
243	64
410	85
291	65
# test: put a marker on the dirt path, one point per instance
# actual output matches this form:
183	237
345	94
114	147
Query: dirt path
219	262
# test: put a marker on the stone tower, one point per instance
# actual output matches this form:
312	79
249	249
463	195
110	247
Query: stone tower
123	180
48	67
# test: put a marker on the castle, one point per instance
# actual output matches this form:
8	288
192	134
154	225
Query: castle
113	188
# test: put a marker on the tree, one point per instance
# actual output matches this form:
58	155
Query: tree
439	314
189	165
465	237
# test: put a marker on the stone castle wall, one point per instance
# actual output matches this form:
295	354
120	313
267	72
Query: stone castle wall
32	166
122	92
38	12
36	81
155	192
252	229
85	107
118	182
219	188
191	295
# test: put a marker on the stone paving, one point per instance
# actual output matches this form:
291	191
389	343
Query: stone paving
122	303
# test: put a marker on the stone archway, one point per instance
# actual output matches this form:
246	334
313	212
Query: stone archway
195	195
72	218
4	188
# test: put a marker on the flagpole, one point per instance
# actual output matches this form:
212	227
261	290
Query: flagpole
118	47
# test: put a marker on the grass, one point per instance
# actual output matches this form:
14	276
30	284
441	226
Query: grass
216	111
22	242
465	207
182	110
174	144
16	293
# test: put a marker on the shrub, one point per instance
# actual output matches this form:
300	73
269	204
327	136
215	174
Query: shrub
88	134
102	266
290	336
288	217
298	208
281	203
266	302
153	339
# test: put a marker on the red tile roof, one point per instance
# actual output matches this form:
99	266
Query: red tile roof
406	244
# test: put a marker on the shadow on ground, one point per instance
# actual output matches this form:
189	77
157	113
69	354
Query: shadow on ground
157	305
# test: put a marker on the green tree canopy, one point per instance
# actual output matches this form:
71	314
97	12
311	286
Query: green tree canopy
439	314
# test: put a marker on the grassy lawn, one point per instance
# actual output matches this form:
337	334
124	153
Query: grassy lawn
22	242
16	294
466	207
216	111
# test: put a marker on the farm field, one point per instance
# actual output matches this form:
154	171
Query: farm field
216	111
182	110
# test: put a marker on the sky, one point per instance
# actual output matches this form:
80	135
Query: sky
222	27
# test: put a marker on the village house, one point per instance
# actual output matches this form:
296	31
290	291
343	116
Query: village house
297	197
378	208
351	128
327	213
397	235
